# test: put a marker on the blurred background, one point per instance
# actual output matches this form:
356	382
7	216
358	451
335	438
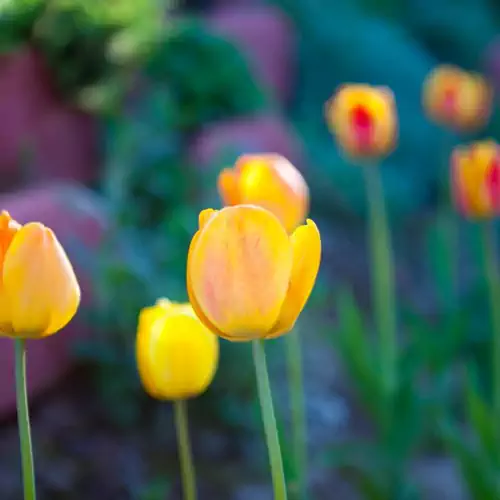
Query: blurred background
116	117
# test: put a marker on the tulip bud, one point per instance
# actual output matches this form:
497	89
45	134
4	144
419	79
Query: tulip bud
246	277
363	119
456	98
39	292
269	181
177	355
475	172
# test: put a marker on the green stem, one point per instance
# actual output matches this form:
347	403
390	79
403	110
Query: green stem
270	428
23	421
184	445
492	277
299	424
382	285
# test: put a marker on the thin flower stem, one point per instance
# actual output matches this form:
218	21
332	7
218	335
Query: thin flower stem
270	428
491	273
23	421
184	446
382	286
299	424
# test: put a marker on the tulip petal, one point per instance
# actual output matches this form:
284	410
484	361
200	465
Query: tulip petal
457	98
306	243
227	184
378	109
238	271
182	357
192	299
39	282
471	168
272	182
151	324
205	216
151	321
8	229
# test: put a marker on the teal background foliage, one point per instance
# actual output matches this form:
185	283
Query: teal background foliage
384	43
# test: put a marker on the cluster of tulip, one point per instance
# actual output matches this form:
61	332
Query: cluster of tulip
251	268
252	265
364	120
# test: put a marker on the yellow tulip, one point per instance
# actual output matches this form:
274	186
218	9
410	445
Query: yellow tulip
269	181
363	119
456	98
246	277
39	292
177	355
475	172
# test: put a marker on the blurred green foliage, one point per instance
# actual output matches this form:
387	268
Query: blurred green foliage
207	77
473	437
476	445
381	467
156	490
90	45
155	194
443	400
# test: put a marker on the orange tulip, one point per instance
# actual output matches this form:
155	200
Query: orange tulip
269	181
456	98
39	292
177	355
246	277
475	179
363	119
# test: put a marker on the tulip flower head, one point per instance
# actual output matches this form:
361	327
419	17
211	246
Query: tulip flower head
456	98
246	277
39	292
475	179
269	181
177	355
363	119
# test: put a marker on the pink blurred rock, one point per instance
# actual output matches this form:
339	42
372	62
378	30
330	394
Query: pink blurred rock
65	146
260	134
37	127
79	222
24	92
265	36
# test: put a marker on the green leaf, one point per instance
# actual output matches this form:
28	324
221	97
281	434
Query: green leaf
352	339
407	432
434	343
362	464
365	482
476	470
482	419
287	453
